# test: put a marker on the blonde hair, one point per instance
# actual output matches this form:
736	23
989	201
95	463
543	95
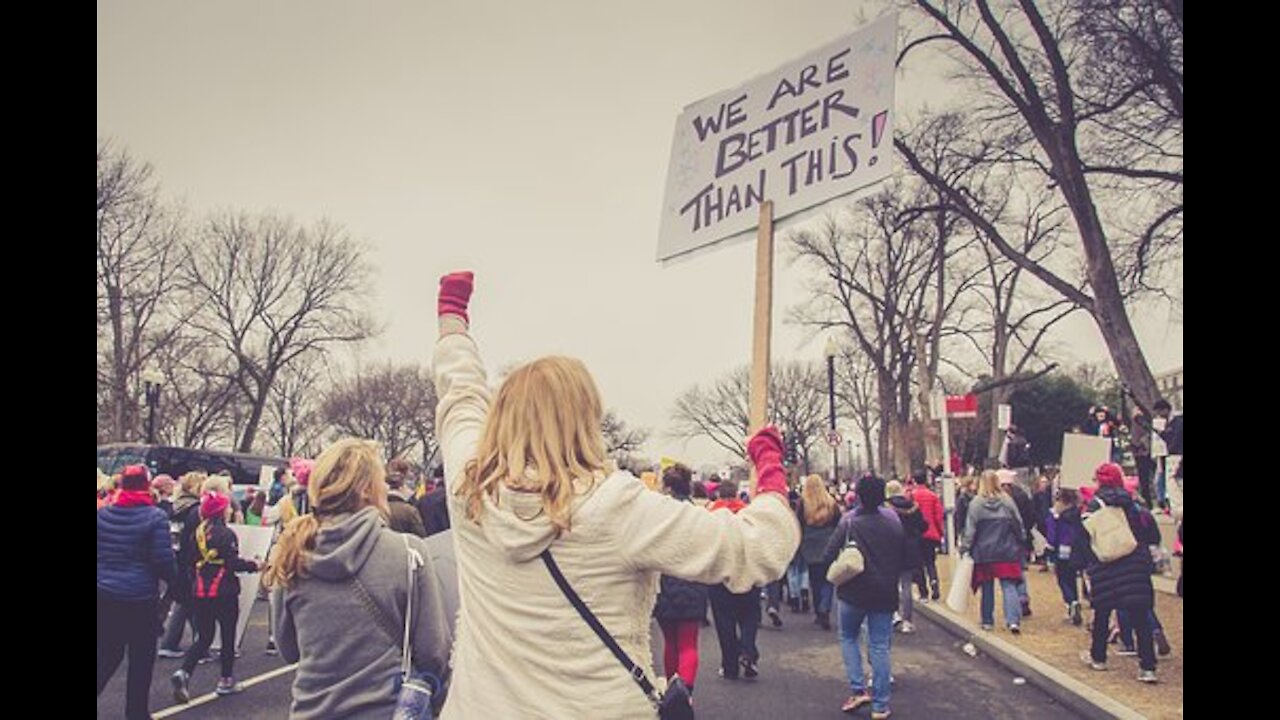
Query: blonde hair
216	483
819	506
893	488
192	481
348	476
989	484
543	433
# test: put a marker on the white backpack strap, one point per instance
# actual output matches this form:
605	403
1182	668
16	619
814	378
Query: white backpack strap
414	562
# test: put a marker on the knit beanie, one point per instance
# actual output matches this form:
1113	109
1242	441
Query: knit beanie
135	477
1109	475
213	504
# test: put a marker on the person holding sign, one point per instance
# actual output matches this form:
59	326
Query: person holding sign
541	520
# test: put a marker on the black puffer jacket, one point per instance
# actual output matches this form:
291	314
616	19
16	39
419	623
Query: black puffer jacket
218	561
879	536
186	514
1026	511
680	599
913	527
1124	582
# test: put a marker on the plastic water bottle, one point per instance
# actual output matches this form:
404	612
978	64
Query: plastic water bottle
414	701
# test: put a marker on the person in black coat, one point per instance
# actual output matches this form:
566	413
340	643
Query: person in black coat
1123	583
681	606
913	528
215	593
871	596
434	506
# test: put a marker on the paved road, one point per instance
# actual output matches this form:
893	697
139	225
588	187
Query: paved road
801	676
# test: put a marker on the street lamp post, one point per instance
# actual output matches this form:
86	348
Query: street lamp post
152	379
831	350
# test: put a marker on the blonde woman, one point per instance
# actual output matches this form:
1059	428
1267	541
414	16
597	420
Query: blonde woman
340	589
526	473
819	516
993	537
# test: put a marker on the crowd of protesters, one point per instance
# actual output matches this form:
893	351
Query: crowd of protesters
540	518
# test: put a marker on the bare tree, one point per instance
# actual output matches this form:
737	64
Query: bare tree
856	390
886	276
1050	109
620	439
394	405
198	391
271	291
140	245
797	402
294	424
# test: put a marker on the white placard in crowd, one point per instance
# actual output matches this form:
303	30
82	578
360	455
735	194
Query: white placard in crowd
818	127
1005	415
254	542
1081	456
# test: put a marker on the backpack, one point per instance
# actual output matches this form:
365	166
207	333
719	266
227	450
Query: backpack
1110	536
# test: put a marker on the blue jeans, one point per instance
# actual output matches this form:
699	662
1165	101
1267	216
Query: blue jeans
1067	582
823	591
1009	594
879	635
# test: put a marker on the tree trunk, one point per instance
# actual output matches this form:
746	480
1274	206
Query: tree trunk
998	395
901	449
866	442
255	416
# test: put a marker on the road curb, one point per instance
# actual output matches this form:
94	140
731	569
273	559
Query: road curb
1074	694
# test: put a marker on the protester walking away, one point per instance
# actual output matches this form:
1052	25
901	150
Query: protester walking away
134	555
537	520
342	561
1027	514
297	501
913	529
1062	528
681	605
215	595
736	615
1115	522
932	512
994	537
183	523
402	515
433	507
1042	503
819	516
871	596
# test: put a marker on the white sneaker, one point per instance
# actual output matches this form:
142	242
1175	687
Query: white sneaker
907	628
1147	676
897	618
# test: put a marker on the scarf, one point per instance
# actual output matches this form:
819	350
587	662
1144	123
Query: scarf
134	498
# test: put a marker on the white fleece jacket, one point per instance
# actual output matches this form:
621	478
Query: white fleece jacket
521	650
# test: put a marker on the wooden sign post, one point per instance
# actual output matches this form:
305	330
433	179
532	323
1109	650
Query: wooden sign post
762	331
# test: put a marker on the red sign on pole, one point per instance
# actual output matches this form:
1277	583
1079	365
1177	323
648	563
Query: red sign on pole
962	406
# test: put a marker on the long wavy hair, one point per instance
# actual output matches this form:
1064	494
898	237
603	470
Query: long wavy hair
819	506
348	476
544	432
989	484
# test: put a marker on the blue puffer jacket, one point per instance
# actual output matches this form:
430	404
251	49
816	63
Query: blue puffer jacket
133	552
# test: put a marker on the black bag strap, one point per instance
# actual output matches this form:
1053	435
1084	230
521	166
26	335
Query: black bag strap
637	673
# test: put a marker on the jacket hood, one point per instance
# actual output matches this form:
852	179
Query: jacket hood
343	546
517	524
1115	497
184	502
990	503
904	505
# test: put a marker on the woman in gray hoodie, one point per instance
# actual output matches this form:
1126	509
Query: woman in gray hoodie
993	535
341	589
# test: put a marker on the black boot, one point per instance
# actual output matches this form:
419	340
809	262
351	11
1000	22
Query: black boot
794	604
804	601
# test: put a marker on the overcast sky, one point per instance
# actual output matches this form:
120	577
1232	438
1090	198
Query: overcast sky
527	141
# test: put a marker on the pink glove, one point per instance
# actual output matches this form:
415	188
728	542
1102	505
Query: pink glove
455	293
765	449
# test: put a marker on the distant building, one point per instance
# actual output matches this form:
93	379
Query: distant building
1170	385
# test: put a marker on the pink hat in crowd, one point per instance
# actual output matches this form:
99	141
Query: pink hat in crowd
162	483
1109	475
1086	493
301	469
213	504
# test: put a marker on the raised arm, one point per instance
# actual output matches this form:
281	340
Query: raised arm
752	547
459	376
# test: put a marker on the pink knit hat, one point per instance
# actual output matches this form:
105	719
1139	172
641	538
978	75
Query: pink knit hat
1109	475
213	504
301	468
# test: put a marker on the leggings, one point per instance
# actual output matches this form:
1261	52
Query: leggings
680	649
223	612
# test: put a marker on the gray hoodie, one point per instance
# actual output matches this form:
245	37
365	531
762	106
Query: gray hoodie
348	666
993	530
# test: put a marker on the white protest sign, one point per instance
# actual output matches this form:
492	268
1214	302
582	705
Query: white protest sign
1081	456
1005	416
816	128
